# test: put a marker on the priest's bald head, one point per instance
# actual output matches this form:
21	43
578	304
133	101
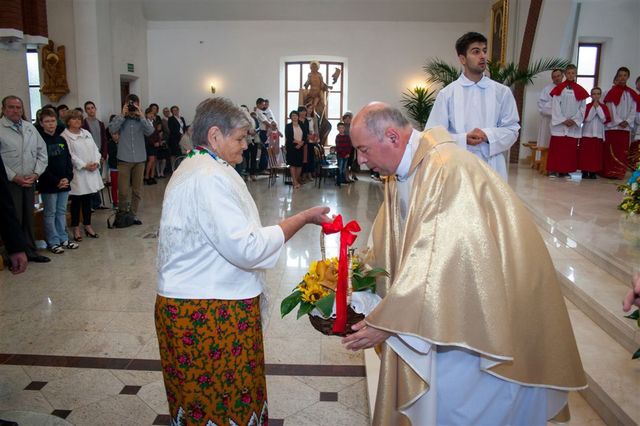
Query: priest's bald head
380	133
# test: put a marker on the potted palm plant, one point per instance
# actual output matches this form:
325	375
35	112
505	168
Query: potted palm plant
418	103
439	71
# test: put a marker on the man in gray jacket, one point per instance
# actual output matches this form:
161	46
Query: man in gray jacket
132	127
24	154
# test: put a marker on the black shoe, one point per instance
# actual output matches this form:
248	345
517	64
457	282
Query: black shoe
153	181
585	175
38	258
7	423
137	221
354	177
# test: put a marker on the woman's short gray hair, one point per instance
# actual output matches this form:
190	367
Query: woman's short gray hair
218	112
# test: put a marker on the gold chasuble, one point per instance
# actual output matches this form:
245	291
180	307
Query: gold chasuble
469	270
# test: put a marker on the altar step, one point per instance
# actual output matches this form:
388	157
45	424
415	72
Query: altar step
594	287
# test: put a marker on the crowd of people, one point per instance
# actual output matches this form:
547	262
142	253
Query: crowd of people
597	138
471	325
72	155
68	155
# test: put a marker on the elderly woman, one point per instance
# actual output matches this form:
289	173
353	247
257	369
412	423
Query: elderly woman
211	265
86	173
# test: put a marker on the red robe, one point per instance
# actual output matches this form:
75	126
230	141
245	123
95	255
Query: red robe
590	151
563	150
616	142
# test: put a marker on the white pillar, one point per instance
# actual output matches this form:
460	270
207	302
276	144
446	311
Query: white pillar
93	54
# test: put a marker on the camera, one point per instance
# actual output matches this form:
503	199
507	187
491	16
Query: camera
131	107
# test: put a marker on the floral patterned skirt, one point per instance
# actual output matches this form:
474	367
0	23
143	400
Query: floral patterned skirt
212	361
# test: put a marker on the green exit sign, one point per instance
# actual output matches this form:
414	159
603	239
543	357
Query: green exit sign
130	68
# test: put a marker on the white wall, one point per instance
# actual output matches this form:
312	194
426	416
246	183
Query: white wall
617	26
100	38
243	57
13	75
562	25
62	33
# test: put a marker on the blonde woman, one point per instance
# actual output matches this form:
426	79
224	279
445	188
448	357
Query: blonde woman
86	173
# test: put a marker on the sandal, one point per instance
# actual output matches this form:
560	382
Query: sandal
70	245
56	249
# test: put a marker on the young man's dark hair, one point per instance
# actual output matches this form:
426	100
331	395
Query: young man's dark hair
88	103
259	101
61	107
133	98
623	69
556	70
571	67
463	43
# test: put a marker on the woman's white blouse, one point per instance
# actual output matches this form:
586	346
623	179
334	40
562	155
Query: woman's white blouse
211	242
83	150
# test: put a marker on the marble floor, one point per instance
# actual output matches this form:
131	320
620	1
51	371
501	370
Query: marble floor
77	340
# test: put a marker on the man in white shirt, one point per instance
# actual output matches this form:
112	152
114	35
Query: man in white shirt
480	113
263	118
544	108
458	346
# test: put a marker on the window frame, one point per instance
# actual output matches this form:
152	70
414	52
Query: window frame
31	50
596	75
326	65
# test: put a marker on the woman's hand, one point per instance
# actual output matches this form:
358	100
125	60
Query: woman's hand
633	297
317	215
64	183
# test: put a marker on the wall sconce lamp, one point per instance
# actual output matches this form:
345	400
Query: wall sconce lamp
213	89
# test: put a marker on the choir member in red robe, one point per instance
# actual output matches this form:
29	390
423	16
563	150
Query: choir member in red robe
592	140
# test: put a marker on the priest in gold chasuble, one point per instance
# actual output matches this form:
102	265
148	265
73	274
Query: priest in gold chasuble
472	325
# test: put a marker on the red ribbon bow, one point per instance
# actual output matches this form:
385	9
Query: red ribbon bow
347	238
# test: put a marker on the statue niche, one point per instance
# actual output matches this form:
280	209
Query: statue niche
55	72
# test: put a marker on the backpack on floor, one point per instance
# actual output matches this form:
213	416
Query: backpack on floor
121	220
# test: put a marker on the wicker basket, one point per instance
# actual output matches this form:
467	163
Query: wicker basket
325	325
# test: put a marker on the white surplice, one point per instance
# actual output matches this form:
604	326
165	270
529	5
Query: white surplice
490	106
593	126
461	390
566	107
626	110
544	108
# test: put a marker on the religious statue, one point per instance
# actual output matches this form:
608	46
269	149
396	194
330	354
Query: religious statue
314	94
316	90
55	72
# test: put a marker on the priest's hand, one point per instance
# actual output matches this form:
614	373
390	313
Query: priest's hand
365	337
633	297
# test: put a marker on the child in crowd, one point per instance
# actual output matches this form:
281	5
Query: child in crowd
55	182
343	149
592	141
152	144
274	145
567	115
332	157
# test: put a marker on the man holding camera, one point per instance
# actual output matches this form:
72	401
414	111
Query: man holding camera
132	127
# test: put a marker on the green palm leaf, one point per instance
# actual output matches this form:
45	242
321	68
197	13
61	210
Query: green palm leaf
438	71
418	103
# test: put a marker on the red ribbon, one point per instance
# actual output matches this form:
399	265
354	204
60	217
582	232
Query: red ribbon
347	238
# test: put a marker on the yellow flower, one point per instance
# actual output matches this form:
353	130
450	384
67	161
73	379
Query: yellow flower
313	292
